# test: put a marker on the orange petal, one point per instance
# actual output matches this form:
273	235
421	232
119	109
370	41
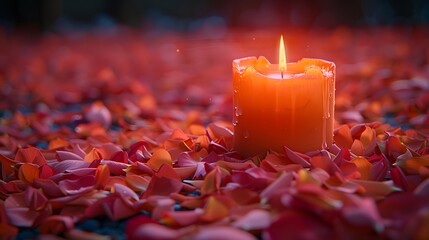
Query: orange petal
196	130
92	155
28	173
137	182
214	210
367	137
413	165
376	189
101	176
58	143
185	172
363	166
202	142
159	157
212	181
343	137
178	134
304	177
357	147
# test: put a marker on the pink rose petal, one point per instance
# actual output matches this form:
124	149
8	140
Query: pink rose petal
78	186
254	220
221	232
152	231
65	165
115	168
296	158
65	155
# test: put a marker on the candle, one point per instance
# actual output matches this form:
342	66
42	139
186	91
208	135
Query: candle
285	104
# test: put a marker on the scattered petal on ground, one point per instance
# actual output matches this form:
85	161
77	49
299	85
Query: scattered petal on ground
104	132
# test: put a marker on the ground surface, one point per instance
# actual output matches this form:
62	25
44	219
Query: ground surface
128	134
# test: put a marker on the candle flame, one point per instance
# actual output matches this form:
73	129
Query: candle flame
282	56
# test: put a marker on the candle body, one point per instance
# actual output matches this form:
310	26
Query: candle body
270	112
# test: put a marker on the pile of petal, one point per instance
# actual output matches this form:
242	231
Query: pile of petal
159	153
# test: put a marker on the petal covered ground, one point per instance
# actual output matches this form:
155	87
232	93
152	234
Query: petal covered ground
136	127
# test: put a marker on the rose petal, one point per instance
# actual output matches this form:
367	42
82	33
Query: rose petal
243	196
79	234
298	225
423	189
325	164
343	137
102	175
99	113
49	187
394	148
77	186
214	210
34	199
376	189
162	206
357	147
108	150
125	192
121	157
223	232
399	178
164	182
159	157
137	183
296	158
212	181
254	220
28	173
181	218
218	130
92	155
22	217
64	155
56	225
152	231
363	166
6	166
379	168
62	166
280	184
7	231
115	168
30	155
58	143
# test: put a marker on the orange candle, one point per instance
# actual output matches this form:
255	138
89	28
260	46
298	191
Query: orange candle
285	104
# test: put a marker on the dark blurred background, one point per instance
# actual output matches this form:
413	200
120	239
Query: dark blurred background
188	15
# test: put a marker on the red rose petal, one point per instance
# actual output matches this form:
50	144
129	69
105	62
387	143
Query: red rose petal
30	155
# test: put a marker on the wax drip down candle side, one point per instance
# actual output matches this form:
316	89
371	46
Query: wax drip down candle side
285	104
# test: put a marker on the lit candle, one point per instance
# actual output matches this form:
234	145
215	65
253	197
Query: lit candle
285	104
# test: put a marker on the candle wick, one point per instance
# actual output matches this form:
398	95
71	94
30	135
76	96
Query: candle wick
281	73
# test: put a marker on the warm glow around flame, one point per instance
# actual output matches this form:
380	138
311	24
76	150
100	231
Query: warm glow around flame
282	56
